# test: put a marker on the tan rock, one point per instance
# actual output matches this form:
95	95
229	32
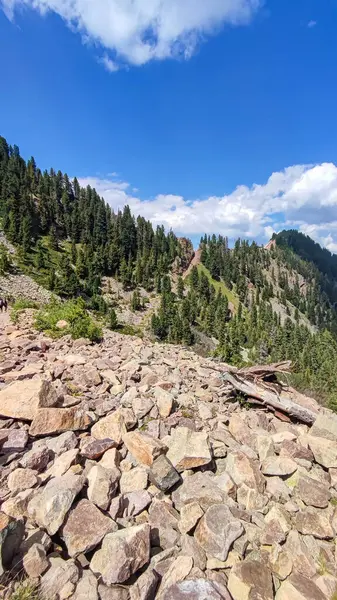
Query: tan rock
265	447
110	459
102	486
35	562
217	530
177	572
60	579
198	589
143	447
49	507
134	480
312	492
22	399
126	561
164	401
87	587
325	426
250	580
85	528
280	466
112	427
21	479
141	406
189	516
57	420
324	451
312	521
298	587
200	488
62	463
188	449
281	562
245	470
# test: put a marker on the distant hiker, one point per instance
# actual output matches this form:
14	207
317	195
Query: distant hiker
3	304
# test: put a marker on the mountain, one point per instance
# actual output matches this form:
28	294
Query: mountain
243	304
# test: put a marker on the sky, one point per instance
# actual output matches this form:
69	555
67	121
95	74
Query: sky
215	116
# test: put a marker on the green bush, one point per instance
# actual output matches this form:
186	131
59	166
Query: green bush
19	305
80	324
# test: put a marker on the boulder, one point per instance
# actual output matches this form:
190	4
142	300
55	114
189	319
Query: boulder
245	470
85	528
16	441
200	488
94	449
48	508
314	522
56	420
121	545
22	399
278	466
21	479
325	426
111	427
190	514
313	492
141	406
164	401
251	580
143	447
11	536
193	589
298	587
324	451
188	449
87	587
217	530
60	579
62	463
35	562
133	480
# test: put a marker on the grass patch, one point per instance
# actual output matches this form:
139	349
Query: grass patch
19	305
219	285
25	591
80	323
127	329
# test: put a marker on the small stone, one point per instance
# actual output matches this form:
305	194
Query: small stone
57	420
143	447
265	447
314	522
111	377
62	324
200	488
250	580
189	516
163	474
92	377
298	587
244	470
85	528
110	459
190	547
111	427
16	507
121	545
178	571
49	507
62	463
145	586
188	449
21	479
217	530
16	441
312	492
102	486
275	465
62	443
134	503
36	459
35	561
134	480
94	449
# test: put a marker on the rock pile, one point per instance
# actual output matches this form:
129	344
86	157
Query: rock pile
129	472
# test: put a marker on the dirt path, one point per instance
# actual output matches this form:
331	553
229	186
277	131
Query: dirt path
4	320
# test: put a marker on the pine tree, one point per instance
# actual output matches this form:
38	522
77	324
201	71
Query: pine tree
180	288
113	321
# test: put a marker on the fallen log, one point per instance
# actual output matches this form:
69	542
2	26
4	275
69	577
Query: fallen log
260	371
269	399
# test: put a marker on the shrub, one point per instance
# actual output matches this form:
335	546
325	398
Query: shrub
19	305
80	324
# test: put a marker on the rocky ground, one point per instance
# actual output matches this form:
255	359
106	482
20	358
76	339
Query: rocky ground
129	471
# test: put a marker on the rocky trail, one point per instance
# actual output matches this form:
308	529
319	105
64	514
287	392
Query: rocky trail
132	471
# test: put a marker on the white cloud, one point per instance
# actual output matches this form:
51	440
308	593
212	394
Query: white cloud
301	196
108	63
137	31
312	24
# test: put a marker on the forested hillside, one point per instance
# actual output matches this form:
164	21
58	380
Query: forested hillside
251	303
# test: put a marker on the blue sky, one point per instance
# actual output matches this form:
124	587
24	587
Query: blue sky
215	116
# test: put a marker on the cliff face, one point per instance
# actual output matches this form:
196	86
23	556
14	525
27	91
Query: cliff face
130	470
183	261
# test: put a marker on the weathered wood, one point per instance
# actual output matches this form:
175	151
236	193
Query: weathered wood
269	399
264	370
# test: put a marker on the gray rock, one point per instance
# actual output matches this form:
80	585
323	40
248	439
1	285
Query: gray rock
217	530
163	474
85	528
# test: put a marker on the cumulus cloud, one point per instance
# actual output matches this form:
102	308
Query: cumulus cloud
137	31
301	196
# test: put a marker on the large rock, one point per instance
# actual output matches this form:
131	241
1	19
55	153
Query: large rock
313	492
130	549
94	449
35	561
193	589
133	480
21	479
143	447
112	427
22	399
298	587
85	528
314	522
145	586
325	426
188	449
278	466
16	441
87	587
189	516
62	463
245	470
251	580
11	536
164	402
48	508
324	451
200	488
60	579
217	530
57	420
61	443
102	486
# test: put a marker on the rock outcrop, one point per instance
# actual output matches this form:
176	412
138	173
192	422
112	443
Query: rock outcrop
129	471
